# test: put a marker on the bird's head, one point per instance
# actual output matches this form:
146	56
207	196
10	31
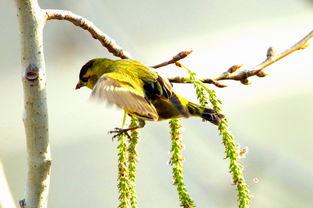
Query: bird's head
92	71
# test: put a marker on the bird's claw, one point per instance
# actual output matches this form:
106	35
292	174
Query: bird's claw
118	132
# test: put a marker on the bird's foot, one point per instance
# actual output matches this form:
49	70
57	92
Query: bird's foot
118	132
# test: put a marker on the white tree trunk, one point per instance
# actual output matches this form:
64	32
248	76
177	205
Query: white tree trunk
32	20
6	200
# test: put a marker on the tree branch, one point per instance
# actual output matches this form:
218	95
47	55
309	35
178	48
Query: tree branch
85	24
176	58
32	21
233	74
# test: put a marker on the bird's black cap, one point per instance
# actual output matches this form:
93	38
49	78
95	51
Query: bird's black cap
85	68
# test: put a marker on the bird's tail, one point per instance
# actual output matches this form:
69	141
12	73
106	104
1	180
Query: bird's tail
205	113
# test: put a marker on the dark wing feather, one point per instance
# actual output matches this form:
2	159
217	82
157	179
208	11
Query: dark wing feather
124	96
167	92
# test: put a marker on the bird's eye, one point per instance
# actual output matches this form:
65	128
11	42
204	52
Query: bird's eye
84	79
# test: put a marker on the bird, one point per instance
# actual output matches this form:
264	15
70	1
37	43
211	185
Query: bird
139	91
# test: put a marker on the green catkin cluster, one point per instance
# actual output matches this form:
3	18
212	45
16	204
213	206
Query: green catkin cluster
132	162
199	89
176	162
127	156
123	178
231	148
127	159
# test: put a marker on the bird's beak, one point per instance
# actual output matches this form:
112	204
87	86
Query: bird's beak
79	85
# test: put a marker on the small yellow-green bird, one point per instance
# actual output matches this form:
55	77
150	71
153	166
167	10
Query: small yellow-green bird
138	90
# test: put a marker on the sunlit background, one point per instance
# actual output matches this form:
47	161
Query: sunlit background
273	116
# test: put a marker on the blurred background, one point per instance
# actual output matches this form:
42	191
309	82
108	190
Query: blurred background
272	116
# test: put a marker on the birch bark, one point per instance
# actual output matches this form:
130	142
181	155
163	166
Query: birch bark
32	20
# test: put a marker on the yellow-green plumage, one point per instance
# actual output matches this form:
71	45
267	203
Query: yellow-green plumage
138	90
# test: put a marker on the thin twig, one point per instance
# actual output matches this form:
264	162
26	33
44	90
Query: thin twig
84	23
176	58
233	74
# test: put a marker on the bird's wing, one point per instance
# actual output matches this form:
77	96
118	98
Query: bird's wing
113	89
166	92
